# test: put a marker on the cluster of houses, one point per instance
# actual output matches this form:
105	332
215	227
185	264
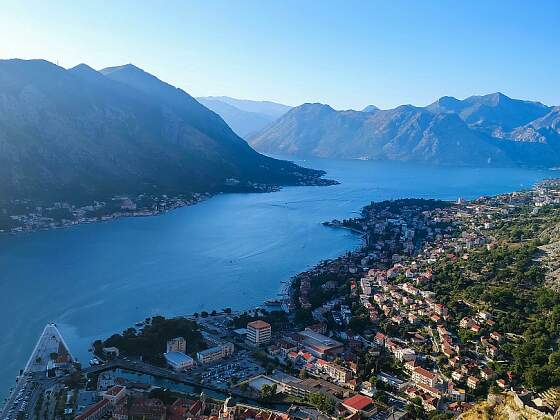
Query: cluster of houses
120	402
61	214
402	247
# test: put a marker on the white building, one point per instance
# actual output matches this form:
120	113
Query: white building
178	361
259	332
423	376
215	353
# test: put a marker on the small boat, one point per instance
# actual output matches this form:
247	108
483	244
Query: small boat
273	302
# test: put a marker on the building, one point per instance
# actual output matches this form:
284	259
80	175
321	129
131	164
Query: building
319	345
215	353
303	388
405	354
359	404
141	408
178	361
110	353
177	345
96	411
473	382
423	376
338	373
259	332
391	380
115	394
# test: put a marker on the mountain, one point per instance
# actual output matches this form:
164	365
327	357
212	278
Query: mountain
403	133
243	116
272	109
542	130
370	108
493	114
476	131
80	134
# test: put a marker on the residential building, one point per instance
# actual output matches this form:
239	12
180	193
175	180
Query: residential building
472	382
115	394
259	332
215	353
338	373
96	411
177	344
423	376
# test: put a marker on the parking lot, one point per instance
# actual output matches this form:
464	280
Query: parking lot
238	367
20	401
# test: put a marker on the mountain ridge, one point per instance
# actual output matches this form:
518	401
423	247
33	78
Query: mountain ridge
479	130
81	134
245	117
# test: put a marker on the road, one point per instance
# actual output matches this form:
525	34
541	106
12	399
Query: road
184	378
21	402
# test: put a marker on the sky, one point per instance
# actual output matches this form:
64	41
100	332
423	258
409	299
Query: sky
344	53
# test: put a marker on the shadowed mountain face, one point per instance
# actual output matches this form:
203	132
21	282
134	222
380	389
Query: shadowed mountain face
243	116
480	130
82	134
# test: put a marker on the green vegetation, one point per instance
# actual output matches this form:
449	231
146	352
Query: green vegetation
268	392
415	409
509	282
278	320
322	402
150	342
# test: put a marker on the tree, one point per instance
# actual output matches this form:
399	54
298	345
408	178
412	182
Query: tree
268	392
322	402
415	409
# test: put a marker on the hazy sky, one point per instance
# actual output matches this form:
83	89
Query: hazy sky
345	53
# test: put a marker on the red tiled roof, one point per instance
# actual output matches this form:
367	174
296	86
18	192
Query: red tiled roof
93	409
357	402
114	390
258	324
424	372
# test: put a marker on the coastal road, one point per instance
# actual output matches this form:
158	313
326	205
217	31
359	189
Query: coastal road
25	395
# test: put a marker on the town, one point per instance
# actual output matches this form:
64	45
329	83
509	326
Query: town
443	309
23	215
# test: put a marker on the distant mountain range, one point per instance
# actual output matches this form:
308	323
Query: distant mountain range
243	116
84	134
480	130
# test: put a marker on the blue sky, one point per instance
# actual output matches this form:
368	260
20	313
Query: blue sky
344	53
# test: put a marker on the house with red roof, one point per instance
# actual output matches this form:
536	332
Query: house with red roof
423	376
360	404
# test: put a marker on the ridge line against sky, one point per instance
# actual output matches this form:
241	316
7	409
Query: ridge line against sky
346	54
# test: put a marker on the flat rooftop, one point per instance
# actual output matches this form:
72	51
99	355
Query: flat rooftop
176	357
318	341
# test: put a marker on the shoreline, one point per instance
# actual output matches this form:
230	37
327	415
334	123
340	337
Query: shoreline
169	204
111	217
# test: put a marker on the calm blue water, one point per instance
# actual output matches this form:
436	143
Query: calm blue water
232	250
